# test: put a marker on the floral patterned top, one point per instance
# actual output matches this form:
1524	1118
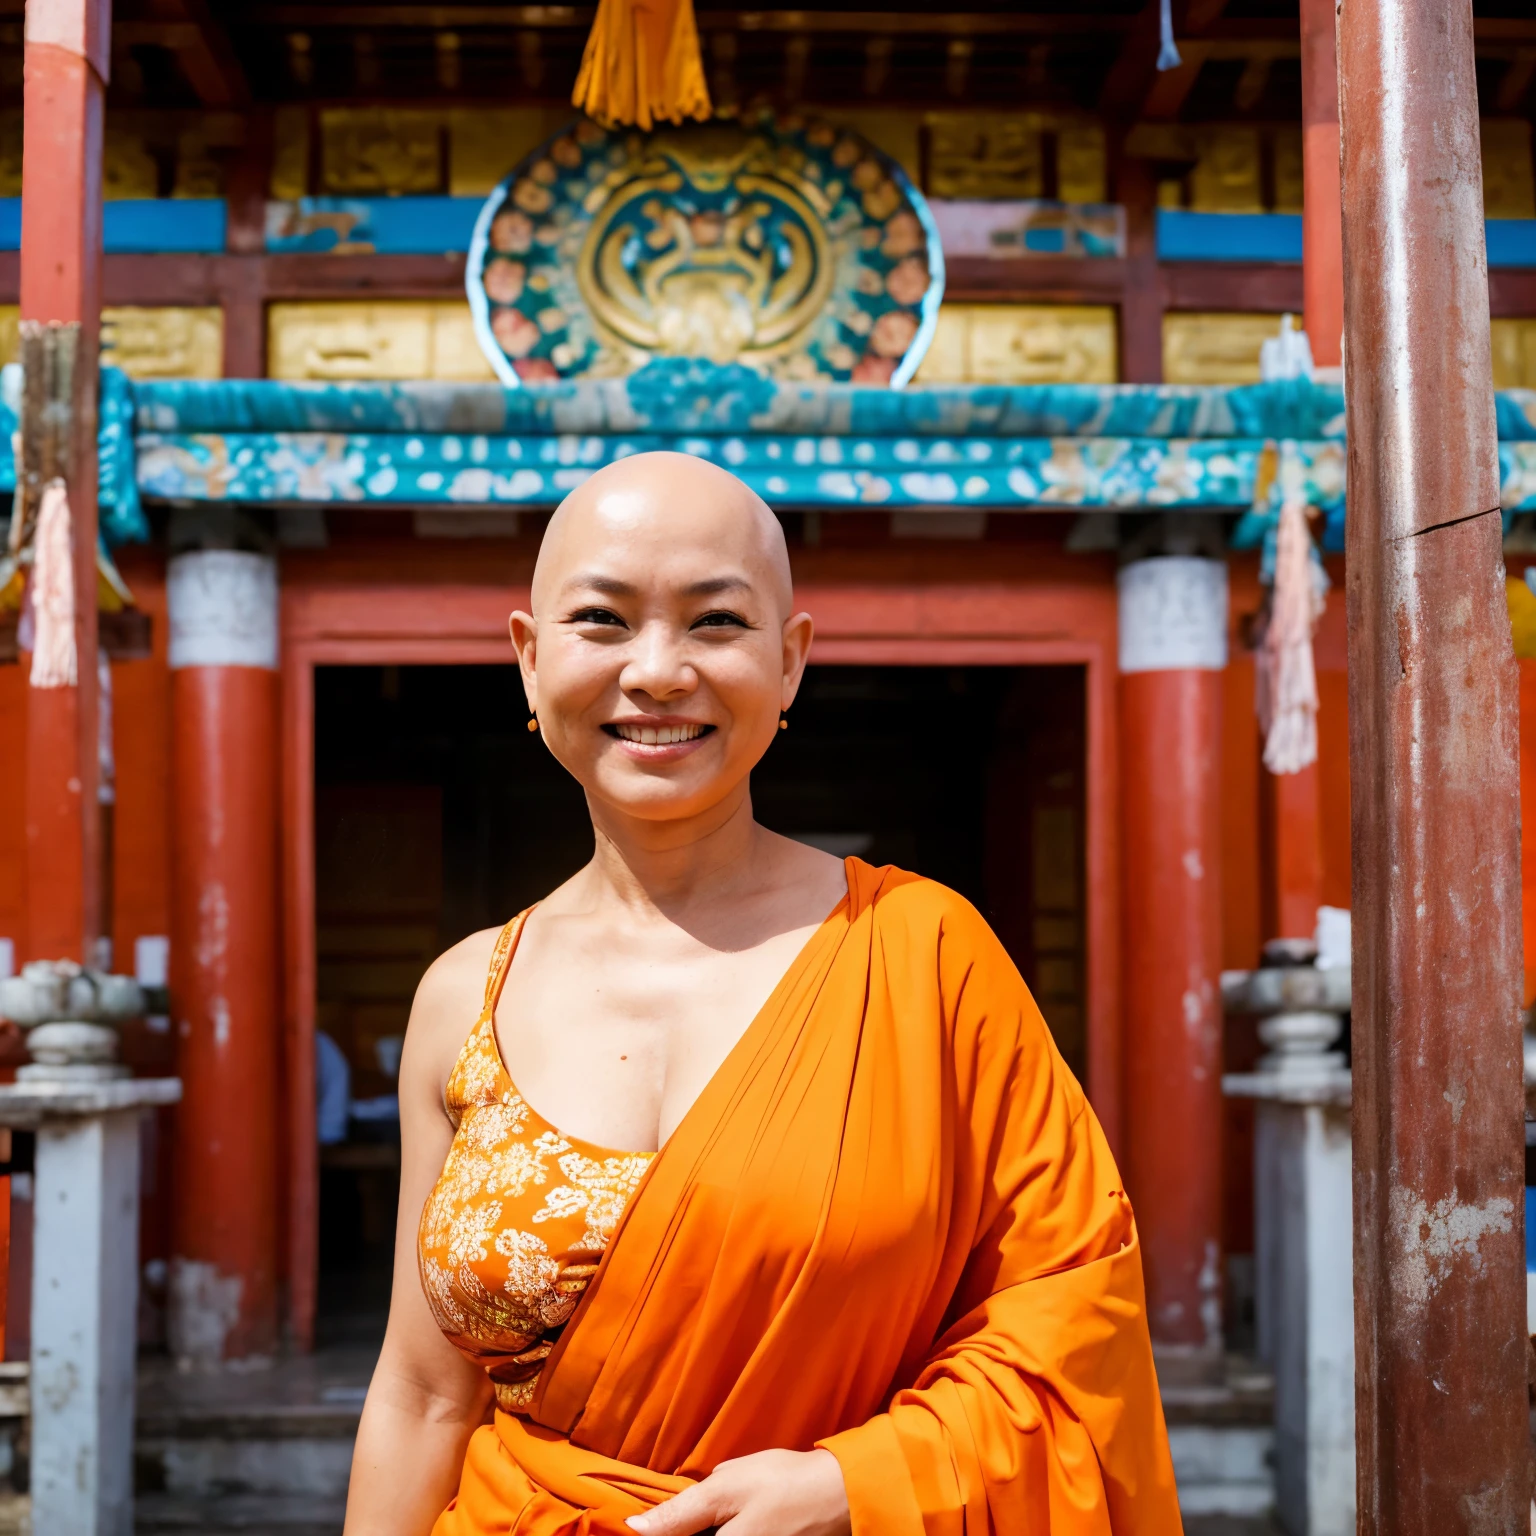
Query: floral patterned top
517	1222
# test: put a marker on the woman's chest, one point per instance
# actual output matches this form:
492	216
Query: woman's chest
616	1047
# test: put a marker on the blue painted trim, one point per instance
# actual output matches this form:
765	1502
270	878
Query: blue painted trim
157	225
1186	236
162	225
392	226
1512	242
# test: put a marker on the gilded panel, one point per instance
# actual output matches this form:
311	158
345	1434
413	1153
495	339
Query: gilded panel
290	153
127	168
985	154
1288	170
1514	354
1509	191
1226	177
1214	348
374	339
1023	344
164	342
1082	161
10	336
377	149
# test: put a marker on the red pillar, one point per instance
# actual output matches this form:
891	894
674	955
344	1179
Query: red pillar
65	73
1173	628
1292	821
1442	1419
1322	260
222	607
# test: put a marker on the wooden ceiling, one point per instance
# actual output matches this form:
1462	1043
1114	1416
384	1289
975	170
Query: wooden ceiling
1241	56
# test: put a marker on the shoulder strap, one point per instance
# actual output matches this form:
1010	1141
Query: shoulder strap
501	961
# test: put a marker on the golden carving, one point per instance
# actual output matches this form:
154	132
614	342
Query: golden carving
290	153
1288	170
164	342
1215	348
484	141
1023	344
717	285
1081	163
10	334
374	339
1514	354
199	172
128	169
377	149
984	154
1226	176
1509	191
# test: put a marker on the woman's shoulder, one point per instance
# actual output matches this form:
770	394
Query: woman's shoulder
923	909
449	1000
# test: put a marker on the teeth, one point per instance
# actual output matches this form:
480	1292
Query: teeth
659	735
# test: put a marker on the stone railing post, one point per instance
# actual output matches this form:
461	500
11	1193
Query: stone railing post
85	1243
1304	1295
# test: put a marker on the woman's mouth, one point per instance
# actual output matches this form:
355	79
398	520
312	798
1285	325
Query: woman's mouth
644	734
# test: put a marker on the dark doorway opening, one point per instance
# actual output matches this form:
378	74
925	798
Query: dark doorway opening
438	813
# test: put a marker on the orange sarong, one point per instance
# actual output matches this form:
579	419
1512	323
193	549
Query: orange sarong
891	1227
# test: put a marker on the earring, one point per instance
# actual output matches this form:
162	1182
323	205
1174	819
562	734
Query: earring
533	722
783	723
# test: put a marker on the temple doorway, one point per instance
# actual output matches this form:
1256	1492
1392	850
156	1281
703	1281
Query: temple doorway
437	814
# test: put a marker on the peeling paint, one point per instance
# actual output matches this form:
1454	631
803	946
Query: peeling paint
203	1306
1456	1097
212	925
1430	1243
219	1008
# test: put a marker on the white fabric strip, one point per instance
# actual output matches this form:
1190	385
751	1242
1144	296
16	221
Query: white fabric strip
1173	615
223	609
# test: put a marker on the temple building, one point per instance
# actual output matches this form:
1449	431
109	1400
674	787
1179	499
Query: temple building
1029	332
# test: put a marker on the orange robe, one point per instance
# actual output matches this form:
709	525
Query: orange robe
890	1227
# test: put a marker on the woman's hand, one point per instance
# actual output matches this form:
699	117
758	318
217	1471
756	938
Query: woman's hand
772	1493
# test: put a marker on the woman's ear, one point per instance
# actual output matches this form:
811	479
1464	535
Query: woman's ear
525	634
798	632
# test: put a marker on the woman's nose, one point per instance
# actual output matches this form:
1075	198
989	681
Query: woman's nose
656	664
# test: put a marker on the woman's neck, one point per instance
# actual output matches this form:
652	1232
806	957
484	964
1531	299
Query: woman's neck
665	868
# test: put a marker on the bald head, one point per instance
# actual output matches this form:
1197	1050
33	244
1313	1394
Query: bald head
669	505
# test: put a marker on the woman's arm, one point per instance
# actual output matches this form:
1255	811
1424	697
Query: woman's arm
425	1399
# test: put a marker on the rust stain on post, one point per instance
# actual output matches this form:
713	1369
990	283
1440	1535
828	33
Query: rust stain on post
1439	1147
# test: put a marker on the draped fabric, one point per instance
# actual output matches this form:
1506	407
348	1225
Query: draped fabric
891	1227
642	64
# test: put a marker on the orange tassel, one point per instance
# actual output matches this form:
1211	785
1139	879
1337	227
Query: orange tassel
642	65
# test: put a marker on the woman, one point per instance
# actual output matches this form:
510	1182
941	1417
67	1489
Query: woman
794	1222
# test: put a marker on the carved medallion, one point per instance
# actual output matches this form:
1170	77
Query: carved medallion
790	246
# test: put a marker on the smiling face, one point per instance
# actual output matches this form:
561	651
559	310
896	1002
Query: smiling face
661	647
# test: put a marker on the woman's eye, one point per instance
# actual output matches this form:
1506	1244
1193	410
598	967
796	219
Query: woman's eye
595	616
720	619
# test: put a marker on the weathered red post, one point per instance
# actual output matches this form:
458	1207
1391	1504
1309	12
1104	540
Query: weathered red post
67	43
1442	1427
